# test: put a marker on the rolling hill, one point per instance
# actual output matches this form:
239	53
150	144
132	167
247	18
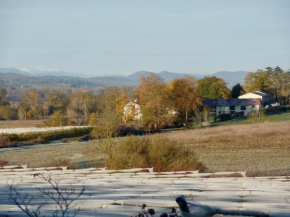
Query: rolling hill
12	77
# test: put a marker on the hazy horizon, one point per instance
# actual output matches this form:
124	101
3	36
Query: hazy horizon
122	37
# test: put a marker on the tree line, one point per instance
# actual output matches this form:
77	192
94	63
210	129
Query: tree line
158	100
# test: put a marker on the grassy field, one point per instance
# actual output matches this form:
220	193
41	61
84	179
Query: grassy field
21	123
75	155
261	149
267	118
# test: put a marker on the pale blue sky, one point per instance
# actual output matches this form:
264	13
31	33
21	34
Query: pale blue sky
124	36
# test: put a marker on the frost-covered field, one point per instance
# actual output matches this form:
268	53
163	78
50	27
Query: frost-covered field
36	129
122	193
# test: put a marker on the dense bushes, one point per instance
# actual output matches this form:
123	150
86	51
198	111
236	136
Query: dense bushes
131	129
110	128
225	117
57	119
277	110
4	141
150	151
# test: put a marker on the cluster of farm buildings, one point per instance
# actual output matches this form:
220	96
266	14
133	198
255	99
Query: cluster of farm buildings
243	105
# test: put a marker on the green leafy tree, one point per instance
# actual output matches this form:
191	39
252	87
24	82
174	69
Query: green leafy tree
213	88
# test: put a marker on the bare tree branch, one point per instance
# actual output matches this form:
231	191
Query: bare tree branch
63	197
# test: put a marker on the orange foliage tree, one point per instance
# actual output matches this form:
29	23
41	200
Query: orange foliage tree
154	101
184	97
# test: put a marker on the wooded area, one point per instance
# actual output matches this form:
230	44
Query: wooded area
175	102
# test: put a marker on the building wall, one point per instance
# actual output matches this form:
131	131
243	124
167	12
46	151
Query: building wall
255	96
137	116
226	109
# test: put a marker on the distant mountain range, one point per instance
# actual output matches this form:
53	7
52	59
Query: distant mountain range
57	79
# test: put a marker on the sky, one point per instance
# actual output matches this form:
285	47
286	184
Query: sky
120	37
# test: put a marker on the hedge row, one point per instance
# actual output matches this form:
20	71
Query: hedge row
7	140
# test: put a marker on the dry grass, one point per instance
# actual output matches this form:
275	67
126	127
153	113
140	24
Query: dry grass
75	154
261	149
21	123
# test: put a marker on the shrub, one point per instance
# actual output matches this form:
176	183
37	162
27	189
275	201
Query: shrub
42	139
57	119
157	151
129	153
3	163
169	155
131	129
225	117
105	128
257	116
4	141
60	162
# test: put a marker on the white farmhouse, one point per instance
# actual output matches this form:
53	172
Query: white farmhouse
134	110
265	97
232	106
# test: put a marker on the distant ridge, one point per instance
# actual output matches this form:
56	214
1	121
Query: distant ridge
16	77
14	70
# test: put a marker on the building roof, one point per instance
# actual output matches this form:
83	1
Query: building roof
259	93
231	102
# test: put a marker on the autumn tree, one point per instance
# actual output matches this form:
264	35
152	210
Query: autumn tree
5	111
82	103
106	122
108	100
121	103
55	100
277	83
3	97
285	88
30	105
184	97
213	88
154	101
258	81
57	119
237	90
272	80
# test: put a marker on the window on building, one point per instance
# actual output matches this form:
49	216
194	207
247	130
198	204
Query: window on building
232	108
243	108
